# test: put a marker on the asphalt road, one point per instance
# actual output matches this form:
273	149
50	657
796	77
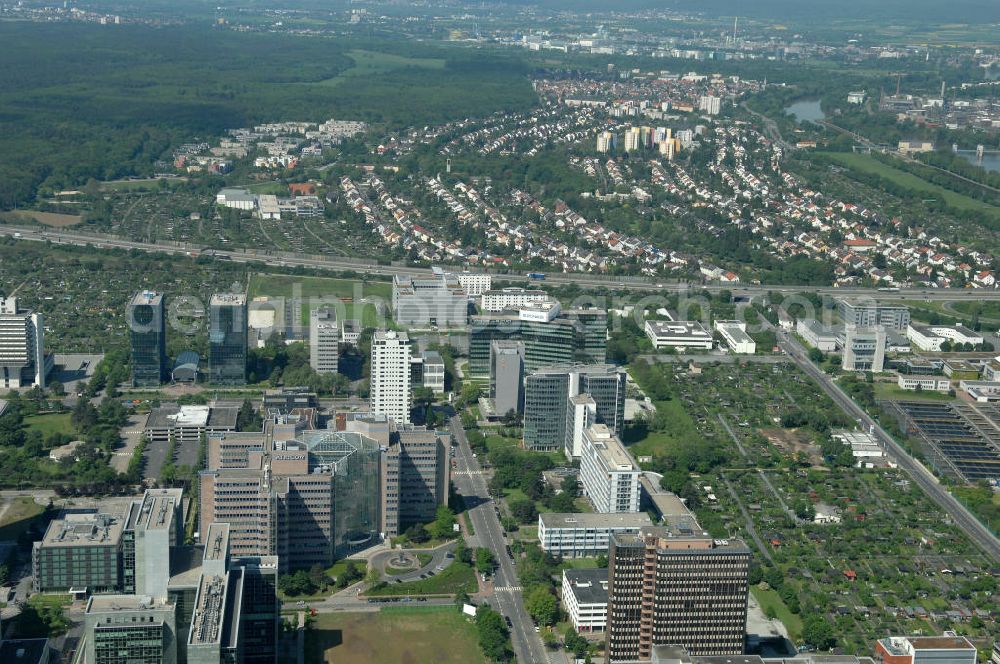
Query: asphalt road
528	647
976	531
285	259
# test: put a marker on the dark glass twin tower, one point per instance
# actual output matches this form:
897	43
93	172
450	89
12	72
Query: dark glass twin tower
227	339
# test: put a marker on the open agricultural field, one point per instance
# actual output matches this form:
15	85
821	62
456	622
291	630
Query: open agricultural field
418	635
46	218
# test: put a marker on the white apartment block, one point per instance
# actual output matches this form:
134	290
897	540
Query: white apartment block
585	535
609	474
506	299
389	391
475	283
734	332
710	104
324	340
680	334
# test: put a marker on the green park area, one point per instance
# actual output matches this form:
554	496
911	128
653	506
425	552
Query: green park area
442	636
455	578
772	606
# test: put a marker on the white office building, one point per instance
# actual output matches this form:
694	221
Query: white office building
507	299
585	535
585	597
437	300
324	340
389	391
22	347
609	474
931	337
433	375
581	412
817	335
680	334
734	333
864	348
924	383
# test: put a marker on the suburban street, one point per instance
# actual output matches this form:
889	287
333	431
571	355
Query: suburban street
976	531
287	259
507	600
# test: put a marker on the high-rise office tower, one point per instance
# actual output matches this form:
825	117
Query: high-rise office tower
227	339
547	406
674	584
389	387
324	340
507	376
146	322
22	346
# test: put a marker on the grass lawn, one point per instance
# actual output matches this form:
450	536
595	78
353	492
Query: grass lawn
527	533
271	285
418	635
769	599
340	566
372	63
455	578
280	285
23	510
38	601
889	391
682	429
51	423
276	188
579	563
868	164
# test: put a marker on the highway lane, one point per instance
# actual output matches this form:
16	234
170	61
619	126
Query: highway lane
528	647
924	478
283	259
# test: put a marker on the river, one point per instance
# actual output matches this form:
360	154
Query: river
991	162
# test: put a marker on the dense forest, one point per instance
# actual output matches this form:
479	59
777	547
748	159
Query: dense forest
81	102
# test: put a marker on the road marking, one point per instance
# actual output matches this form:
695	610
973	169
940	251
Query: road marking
469	472
508	589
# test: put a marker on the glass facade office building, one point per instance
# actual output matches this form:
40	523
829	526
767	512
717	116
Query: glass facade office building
573	337
147	338
227	339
